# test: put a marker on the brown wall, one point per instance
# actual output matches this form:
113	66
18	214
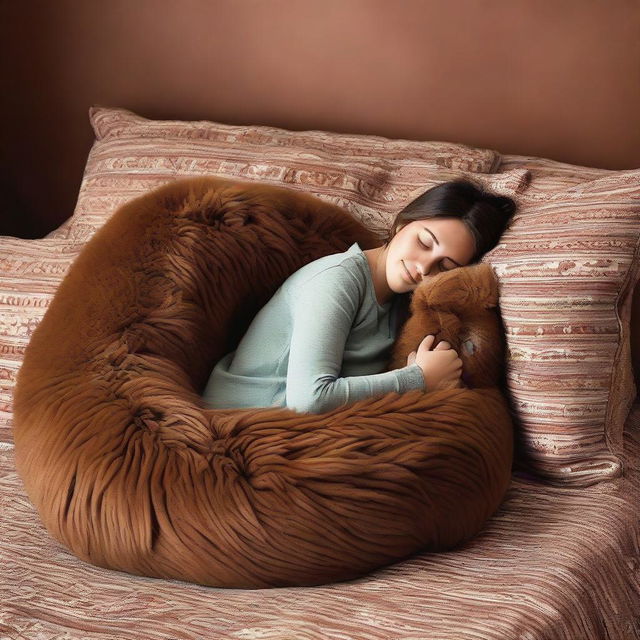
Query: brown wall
551	79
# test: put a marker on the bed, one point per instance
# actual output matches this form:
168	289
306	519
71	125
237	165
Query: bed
560	557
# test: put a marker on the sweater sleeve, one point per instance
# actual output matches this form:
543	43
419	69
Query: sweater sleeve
323	313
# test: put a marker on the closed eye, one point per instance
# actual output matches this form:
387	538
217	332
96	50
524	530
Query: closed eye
441	264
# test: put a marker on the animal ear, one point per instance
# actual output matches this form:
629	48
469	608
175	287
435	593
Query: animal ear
446	291
483	281
462	289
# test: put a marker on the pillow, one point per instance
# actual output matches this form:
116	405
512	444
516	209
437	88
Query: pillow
129	469
30	272
550	176
367	175
567	267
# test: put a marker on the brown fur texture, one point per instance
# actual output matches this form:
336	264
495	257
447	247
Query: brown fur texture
459	306
130	471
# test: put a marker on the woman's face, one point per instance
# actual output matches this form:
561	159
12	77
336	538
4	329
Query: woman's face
425	248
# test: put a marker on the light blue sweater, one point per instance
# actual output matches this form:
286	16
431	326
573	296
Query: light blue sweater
321	341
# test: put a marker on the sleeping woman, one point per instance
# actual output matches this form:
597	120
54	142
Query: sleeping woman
325	337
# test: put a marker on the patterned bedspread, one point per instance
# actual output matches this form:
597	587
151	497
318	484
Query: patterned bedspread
552	564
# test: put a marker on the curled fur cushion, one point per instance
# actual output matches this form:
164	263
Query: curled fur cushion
130	471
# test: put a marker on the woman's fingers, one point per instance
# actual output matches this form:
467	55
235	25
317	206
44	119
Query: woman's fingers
443	345
426	342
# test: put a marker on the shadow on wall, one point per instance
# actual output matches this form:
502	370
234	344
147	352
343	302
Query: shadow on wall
16	214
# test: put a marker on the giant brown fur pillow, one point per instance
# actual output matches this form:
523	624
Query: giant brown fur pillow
130	471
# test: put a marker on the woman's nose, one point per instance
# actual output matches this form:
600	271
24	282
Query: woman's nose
425	268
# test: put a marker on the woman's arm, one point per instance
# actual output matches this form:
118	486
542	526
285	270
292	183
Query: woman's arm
323	313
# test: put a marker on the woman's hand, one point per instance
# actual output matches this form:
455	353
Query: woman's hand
441	367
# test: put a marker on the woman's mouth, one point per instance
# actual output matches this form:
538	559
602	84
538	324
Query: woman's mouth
408	274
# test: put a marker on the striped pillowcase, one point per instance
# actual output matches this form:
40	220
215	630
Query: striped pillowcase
370	176
567	268
367	175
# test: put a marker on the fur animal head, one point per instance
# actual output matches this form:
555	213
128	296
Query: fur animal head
461	307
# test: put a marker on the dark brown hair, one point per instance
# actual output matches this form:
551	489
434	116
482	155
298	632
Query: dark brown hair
485	214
